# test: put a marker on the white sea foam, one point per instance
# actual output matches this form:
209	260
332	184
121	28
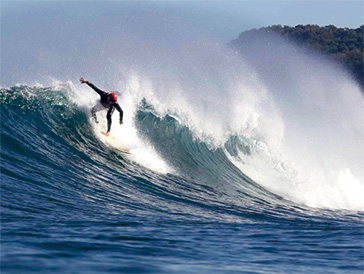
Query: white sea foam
318	160
307	125
302	113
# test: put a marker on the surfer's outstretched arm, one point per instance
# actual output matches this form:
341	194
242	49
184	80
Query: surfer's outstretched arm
99	91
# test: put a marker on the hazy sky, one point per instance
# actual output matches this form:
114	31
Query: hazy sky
34	34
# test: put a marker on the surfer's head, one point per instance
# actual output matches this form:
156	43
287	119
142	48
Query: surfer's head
112	97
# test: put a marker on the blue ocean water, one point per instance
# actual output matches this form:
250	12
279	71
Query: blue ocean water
71	203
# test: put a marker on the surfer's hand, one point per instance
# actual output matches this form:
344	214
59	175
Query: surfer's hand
83	80
121	122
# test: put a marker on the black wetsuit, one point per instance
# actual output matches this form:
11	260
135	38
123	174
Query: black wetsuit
106	104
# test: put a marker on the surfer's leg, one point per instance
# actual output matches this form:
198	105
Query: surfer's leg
95	109
108	117
93	114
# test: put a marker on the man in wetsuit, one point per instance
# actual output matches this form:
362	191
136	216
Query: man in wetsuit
107	101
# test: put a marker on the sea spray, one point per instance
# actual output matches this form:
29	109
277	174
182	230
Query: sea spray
322	111
302	116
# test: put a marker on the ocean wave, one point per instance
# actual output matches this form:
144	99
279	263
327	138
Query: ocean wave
52	130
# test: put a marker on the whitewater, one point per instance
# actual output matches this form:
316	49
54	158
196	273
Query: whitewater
241	162
304	143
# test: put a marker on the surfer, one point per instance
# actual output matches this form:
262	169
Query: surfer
107	101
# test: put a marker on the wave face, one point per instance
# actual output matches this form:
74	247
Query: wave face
72	202
52	142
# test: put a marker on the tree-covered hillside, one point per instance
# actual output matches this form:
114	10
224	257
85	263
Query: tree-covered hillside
343	44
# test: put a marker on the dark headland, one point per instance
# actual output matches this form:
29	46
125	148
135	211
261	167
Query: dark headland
342	44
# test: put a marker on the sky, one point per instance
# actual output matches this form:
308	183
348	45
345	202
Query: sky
37	36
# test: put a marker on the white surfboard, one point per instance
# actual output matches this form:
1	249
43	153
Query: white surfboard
115	143
123	150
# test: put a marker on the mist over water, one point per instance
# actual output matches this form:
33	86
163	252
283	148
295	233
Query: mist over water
322	109
297	116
